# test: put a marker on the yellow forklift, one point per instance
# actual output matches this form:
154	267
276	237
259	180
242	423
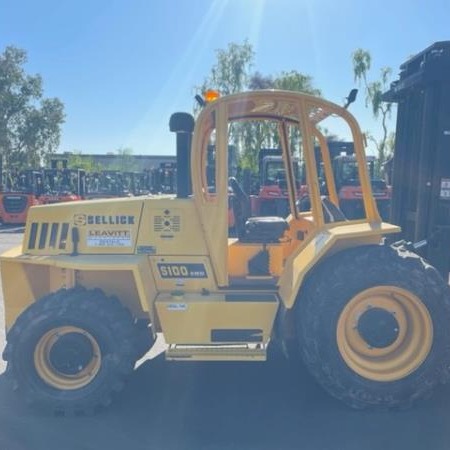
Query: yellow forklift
95	282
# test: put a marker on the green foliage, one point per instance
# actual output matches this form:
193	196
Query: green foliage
361	60
296	81
262	135
231	74
254	136
125	161
78	161
288	81
29	124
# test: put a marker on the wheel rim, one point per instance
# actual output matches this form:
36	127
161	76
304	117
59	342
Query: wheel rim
384	333
67	358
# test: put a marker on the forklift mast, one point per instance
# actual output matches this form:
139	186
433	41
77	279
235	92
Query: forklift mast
421	165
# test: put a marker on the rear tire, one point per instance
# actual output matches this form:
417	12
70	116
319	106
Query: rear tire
70	351
373	326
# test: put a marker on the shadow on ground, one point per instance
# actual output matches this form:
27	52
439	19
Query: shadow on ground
214	406
12	229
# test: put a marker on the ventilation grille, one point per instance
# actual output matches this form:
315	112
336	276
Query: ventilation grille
48	235
167	224
15	203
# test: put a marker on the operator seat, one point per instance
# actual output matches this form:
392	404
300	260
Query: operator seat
263	230
331	213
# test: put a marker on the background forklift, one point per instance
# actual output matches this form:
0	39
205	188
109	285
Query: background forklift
421	163
108	184
350	192
22	189
139	183
164	178
270	198
62	184
345	171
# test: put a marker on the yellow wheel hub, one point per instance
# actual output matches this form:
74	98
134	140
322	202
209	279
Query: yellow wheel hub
384	333
67	358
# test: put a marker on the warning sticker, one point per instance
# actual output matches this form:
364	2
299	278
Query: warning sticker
109	238
445	189
177	307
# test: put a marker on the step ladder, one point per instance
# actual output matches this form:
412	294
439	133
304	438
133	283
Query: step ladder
235	352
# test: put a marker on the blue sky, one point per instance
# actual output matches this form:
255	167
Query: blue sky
122	67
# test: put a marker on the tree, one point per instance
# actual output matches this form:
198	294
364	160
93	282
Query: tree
289	81
259	81
30	125
76	160
361	60
296	81
260	135
125	161
231	74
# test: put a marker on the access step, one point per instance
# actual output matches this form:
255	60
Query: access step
249	352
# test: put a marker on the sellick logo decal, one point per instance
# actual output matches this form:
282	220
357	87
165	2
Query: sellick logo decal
88	219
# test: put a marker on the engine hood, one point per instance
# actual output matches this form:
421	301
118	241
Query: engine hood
94	226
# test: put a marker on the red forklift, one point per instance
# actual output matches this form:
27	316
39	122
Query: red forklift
270	198
20	191
345	171
348	186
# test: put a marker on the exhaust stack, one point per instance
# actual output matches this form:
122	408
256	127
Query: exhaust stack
183	125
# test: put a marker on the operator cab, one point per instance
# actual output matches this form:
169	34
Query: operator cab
294	123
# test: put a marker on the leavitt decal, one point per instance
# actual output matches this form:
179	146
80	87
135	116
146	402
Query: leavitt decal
109	238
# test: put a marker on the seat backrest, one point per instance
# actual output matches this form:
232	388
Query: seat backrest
331	212
264	230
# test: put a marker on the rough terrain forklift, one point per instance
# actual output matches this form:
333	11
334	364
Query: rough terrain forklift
94	282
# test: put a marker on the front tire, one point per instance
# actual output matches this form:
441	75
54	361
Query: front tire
373	326
71	350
